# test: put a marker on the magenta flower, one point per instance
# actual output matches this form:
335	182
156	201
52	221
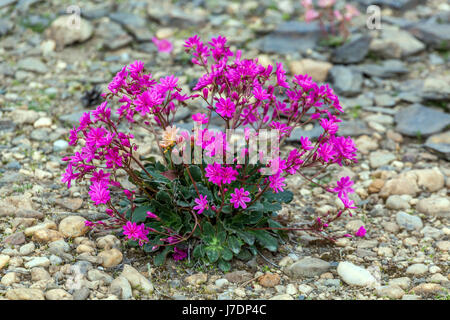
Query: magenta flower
179	254
239	198
225	108
168	83
100	176
136	232
344	186
200	118
99	193
202	204
361	232
229	175
214	173
163	45
277	183
151	215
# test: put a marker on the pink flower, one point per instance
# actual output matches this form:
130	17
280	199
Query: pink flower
229	175
99	193
239	198
361	232
225	108
202	204
277	182
200	118
214	173
326	3
311	15
344	186
163	45
179	254
151	215
136	232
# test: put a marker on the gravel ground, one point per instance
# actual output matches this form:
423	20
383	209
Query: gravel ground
395	87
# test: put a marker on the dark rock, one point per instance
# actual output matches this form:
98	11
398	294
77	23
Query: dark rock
81	294
7	126
5	3
401	5
17	238
135	25
238	276
440	143
5	27
353	51
40	134
314	133
346	81
72	118
24	5
353	128
435	35
114	35
418	119
388	69
290	37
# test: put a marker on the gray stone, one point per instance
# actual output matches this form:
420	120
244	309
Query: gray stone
346	81
418	119
134	24
121	288
314	133
388	69
408	222
5	27
81	294
5	3
32	64
60	145
435	35
353	128
64	33
308	267
381	158
290	37
440	143
401	5
353	51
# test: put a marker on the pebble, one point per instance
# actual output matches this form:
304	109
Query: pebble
137	280
355	275
269	280
308	267
390	291
417	269
73	226
121	288
110	258
25	294
408	222
196	279
58	294
37	262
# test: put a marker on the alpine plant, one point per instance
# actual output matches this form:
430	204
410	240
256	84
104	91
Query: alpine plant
201	200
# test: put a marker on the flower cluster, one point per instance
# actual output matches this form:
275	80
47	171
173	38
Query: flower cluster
327	10
233	190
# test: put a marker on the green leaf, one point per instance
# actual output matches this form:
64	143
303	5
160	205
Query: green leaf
244	255
163	197
227	254
208	229
285	196
199	251
234	244
196	172
265	239
248	237
225	266
213	253
161	257
140	213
